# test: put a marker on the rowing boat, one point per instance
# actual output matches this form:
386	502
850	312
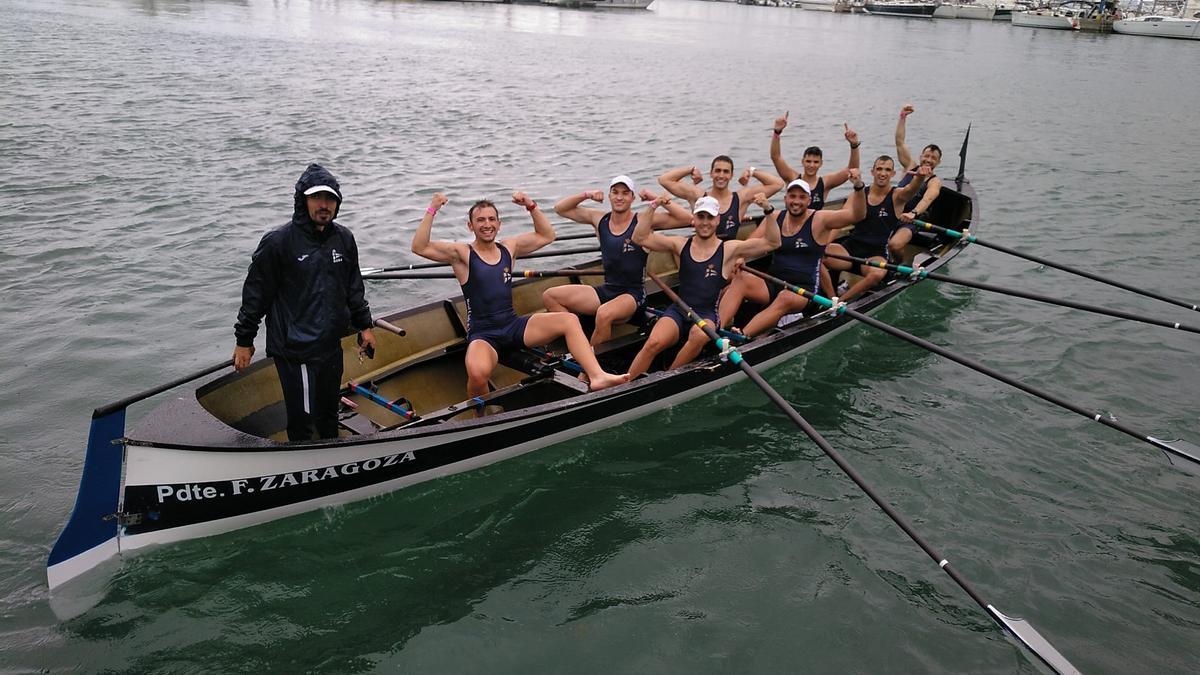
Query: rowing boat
213	457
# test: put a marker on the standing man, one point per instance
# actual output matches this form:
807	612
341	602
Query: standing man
804	234
484	270
870	236
931	156
819	186
705	264
304	277
624	262
732	203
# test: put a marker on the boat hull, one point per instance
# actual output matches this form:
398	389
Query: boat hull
974	12
1180	29
1051	21
184	474
910	10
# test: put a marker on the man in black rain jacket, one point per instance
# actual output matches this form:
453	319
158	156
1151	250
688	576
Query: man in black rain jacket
305	278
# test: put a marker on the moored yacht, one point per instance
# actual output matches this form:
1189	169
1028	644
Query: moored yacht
964	10
908	8
1160	26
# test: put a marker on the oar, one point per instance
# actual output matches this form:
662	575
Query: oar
372	271
418	274
737	337
376	398
1183	454
922	273
1020	628
967	236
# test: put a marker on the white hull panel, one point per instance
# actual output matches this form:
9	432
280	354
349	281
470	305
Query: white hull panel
1186	29
1044	21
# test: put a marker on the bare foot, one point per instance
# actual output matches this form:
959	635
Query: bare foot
607	380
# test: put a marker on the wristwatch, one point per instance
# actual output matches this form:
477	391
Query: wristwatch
768	210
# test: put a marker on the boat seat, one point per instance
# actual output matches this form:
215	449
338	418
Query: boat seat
358	425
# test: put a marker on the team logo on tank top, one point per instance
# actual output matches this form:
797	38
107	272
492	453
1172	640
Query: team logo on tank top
883	213
710	271
507	275
627	246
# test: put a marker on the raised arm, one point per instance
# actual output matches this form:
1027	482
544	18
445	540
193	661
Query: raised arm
853	211
784	170
754	248
644	234
438	251
673	182
760	200
842	175
902	153
572	208
903	195
673	216
769	185
543	232
927	199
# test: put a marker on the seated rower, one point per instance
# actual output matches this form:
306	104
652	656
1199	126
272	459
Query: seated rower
870	236
931	156
705	264
484	270
623	292
732	203
804	234
811	163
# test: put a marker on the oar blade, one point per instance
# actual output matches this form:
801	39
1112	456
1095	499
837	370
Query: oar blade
1034	642
1182	454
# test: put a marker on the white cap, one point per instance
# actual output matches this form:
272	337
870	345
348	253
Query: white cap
322	188
708	205
799	182
623	180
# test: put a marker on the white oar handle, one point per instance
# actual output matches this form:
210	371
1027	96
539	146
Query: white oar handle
391	327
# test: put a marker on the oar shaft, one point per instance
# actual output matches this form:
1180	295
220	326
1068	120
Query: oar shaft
435	274
1026	295
1056	265
1044	651
1013	382
1182	454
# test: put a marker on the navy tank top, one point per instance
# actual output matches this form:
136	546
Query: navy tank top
799	256
727	228
908	178
817	199
624	261
880	222
700	282
488	292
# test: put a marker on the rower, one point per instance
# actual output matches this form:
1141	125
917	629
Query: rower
484	270
870	236
705	264
813	159
931	156
732	203
623	292
804	235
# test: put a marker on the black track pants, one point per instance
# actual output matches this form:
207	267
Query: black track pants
311	394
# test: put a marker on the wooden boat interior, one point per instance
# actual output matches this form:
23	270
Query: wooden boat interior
424	370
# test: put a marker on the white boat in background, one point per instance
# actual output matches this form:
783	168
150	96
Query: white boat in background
819	5
1066	16
600	4
1004	11
1160	26
964	10
913	9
